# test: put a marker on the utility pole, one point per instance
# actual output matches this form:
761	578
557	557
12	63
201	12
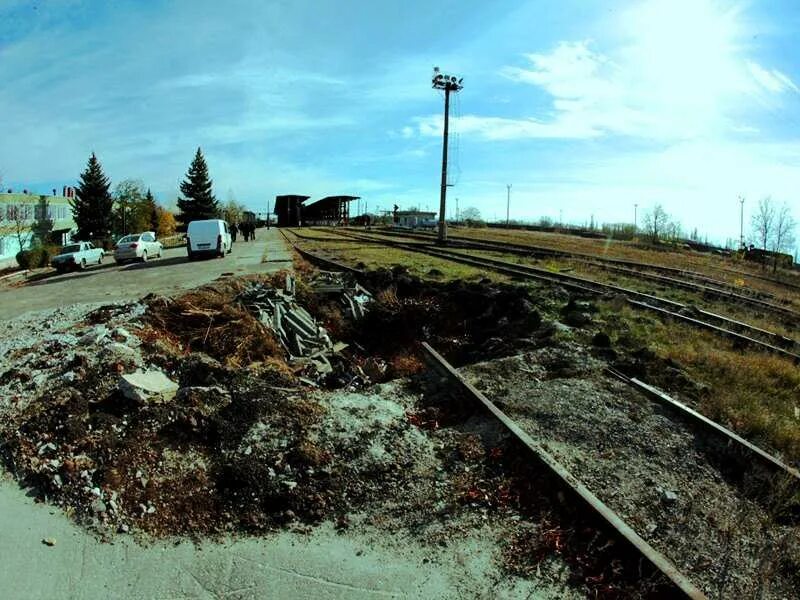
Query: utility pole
268	215
741	222
508	204
635	218
448	83
456	210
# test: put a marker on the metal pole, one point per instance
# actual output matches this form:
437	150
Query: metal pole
268	219
457	215
741	222
508	204
635	218
443	198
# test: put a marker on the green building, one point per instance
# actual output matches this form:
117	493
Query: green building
18	212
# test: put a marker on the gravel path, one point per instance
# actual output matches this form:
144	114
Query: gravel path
649	468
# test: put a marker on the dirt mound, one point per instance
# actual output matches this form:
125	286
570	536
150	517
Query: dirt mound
209	320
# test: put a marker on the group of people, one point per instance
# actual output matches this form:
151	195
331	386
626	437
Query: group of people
248	229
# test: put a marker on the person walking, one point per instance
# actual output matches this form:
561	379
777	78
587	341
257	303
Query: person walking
234	231
245	231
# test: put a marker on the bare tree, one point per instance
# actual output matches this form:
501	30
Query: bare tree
18	222
471	215
657	223
763	222
783	238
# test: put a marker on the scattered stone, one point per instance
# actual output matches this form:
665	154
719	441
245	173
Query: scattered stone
577	318
49	541
669	497
147	386
120	334
204	400
93	336
98	506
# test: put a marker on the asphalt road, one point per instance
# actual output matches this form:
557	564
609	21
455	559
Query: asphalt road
111	282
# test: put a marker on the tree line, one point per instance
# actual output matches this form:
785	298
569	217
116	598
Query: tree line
98	213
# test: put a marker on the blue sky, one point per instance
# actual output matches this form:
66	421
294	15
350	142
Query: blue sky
585	107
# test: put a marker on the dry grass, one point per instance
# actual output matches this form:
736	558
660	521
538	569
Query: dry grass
731	309
209	320
732	271
754	393
375	257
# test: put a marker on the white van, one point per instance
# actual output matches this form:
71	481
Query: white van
208	238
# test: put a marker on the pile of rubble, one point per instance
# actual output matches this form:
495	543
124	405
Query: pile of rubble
196	414
308	344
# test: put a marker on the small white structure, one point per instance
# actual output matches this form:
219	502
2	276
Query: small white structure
415	218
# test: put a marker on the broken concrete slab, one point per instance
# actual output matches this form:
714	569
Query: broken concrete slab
147	386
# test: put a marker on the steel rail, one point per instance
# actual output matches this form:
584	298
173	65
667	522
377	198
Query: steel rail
660	562
709	286
321	260
531	249
773	463
642	300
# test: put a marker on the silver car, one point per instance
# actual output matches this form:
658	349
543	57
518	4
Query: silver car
139	246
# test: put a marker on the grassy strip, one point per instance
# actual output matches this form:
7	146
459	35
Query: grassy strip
710	265
754	393
731	309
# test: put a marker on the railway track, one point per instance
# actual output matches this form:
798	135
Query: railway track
618	261
681	584
737	331
753	456
663	275
706	425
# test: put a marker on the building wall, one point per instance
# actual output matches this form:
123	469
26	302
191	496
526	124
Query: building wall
421	219
59	210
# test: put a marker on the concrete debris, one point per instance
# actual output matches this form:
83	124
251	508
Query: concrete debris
353	297
147	386
669	497
297	330
49	541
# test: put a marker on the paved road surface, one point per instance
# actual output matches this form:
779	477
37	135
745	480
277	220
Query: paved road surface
170	274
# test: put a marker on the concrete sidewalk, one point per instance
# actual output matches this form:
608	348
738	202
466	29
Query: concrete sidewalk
322	564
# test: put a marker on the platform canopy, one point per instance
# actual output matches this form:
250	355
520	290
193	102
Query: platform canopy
288	208
330	209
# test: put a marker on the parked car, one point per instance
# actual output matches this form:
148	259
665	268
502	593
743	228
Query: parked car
139	246
77	256
208	238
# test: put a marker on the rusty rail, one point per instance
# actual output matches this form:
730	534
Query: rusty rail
681	583
668	308
320	260
771	462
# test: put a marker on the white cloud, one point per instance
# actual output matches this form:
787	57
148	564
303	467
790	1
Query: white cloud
677	71
497	128
771	80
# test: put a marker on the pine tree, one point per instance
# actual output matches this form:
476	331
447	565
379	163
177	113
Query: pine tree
199	202
152	210
92	207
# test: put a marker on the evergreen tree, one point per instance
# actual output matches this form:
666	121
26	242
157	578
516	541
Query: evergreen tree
152	210
92	207
199	202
